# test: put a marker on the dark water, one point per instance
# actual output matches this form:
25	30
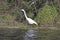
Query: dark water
29	34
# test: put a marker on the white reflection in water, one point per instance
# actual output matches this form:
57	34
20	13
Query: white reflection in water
30	35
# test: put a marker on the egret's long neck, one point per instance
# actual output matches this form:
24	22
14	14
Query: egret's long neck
25	14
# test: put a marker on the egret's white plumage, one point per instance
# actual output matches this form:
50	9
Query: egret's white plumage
30	21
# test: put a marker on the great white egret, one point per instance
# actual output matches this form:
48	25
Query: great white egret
29	20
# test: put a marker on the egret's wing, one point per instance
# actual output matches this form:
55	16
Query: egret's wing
32	21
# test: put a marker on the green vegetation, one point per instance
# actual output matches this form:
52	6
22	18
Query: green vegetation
11	17
46	14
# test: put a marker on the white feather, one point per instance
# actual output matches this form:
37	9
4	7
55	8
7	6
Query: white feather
30	21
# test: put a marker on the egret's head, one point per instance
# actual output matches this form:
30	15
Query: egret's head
22	10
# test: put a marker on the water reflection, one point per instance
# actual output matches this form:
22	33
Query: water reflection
30	34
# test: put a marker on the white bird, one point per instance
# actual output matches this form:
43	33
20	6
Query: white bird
29	20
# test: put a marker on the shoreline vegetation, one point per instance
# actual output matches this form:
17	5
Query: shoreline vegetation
45	14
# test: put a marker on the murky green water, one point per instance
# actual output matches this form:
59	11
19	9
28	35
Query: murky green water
18	34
